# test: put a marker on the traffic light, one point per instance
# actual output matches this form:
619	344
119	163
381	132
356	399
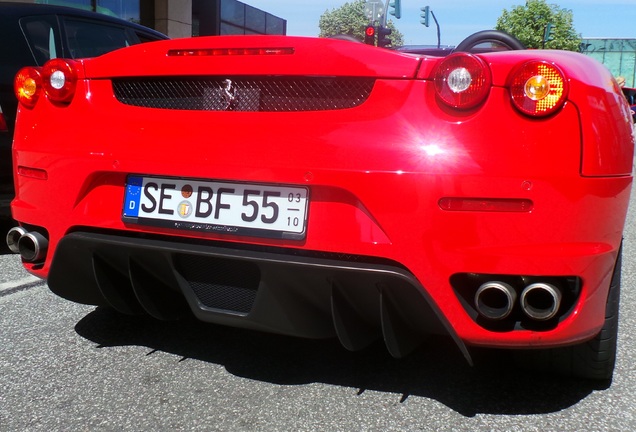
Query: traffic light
369	35
547	35
383	39
396	8
426	10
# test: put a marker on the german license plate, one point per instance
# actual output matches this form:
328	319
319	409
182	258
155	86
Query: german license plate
223	207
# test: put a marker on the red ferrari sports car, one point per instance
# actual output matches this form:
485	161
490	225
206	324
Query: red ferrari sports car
325	188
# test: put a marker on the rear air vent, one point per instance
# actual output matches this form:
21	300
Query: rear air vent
220	283
265	94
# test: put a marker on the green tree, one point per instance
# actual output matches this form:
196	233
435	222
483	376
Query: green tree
349	19
528	23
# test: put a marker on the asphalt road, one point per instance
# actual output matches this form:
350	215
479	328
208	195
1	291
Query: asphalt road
77	368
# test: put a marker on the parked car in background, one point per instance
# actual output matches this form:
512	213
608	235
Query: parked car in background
32	34
630	94
327	188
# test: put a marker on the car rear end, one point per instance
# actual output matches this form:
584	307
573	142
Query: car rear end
325	188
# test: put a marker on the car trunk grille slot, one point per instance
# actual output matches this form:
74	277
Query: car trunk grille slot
276	94
220	283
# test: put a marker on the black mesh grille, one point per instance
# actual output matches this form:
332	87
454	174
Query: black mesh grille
221	283
244	94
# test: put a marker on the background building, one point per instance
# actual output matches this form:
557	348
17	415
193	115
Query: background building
619	55
224	17
184	18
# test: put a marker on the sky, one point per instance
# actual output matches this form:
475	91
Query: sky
461	18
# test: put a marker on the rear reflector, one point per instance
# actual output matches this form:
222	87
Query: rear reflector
35	173
486	204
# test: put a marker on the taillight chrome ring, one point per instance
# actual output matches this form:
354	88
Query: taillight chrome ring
462	80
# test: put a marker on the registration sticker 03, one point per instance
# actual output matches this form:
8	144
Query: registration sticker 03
254	209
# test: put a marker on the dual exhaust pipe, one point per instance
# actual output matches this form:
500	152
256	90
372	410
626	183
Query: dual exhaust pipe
539	301
31	245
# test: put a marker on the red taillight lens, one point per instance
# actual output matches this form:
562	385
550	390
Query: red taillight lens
462	80
27	86
59	79
538	88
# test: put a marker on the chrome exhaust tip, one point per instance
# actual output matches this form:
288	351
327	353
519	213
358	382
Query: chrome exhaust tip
540	301
495	300
13	237
32	247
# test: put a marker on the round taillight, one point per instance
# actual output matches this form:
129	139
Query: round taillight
59	80
538	88
462	80
27	86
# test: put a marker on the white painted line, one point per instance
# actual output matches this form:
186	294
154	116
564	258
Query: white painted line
20	282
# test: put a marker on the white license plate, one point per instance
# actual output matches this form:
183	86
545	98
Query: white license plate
223	207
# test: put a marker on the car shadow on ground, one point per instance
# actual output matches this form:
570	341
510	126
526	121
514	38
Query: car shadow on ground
437	371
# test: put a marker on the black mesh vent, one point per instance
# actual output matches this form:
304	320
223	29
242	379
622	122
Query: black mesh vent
221	283
244	94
